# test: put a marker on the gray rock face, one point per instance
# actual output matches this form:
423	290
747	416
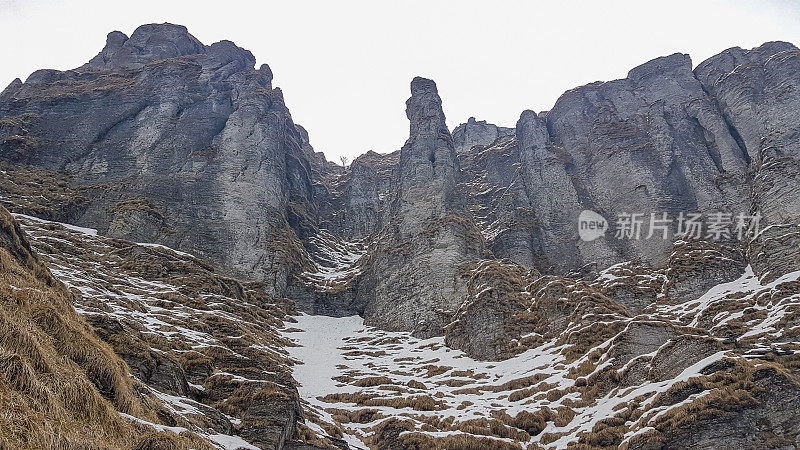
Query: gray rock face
429	169
412	280
192	146
357	204
664	139
160	138
757	92
654	142
776	251
477	132
147	44
553	194
649	143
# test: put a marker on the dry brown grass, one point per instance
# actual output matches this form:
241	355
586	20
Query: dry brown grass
588	337
525	393
307	436
490	427
729	387
93	84
415	402
454	382
456	441
372	381
549	438
141	204
414	384
285	243
432	370
170	441
731	390
531	422
60	386
357	416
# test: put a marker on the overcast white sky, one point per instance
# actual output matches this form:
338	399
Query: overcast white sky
345	66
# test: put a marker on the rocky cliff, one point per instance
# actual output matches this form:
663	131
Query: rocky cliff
179	143
660	141
477	132
168	140
459	248
412	279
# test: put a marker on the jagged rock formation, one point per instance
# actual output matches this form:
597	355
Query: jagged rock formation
194	149
178	143
412	280
756	91
630	145
477	132
355	203
464	242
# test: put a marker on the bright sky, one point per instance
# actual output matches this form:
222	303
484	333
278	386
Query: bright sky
345	66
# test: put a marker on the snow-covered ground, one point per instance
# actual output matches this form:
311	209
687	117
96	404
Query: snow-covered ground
82	230
746	299
335	260
344	366
333	354
89	264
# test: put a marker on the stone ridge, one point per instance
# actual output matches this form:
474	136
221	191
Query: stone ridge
428	234
469	238
148	43
659	140
192	147
179	143
477	132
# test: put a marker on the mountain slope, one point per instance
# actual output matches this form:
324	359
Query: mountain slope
440	296
194	149
174	142
206	346
60	386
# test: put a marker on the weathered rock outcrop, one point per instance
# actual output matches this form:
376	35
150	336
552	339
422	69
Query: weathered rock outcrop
653	341
551	191
412	280
757	93
665	139
753	408
477	132
491	321
695	267
190	146
356	204
649	143
183	144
